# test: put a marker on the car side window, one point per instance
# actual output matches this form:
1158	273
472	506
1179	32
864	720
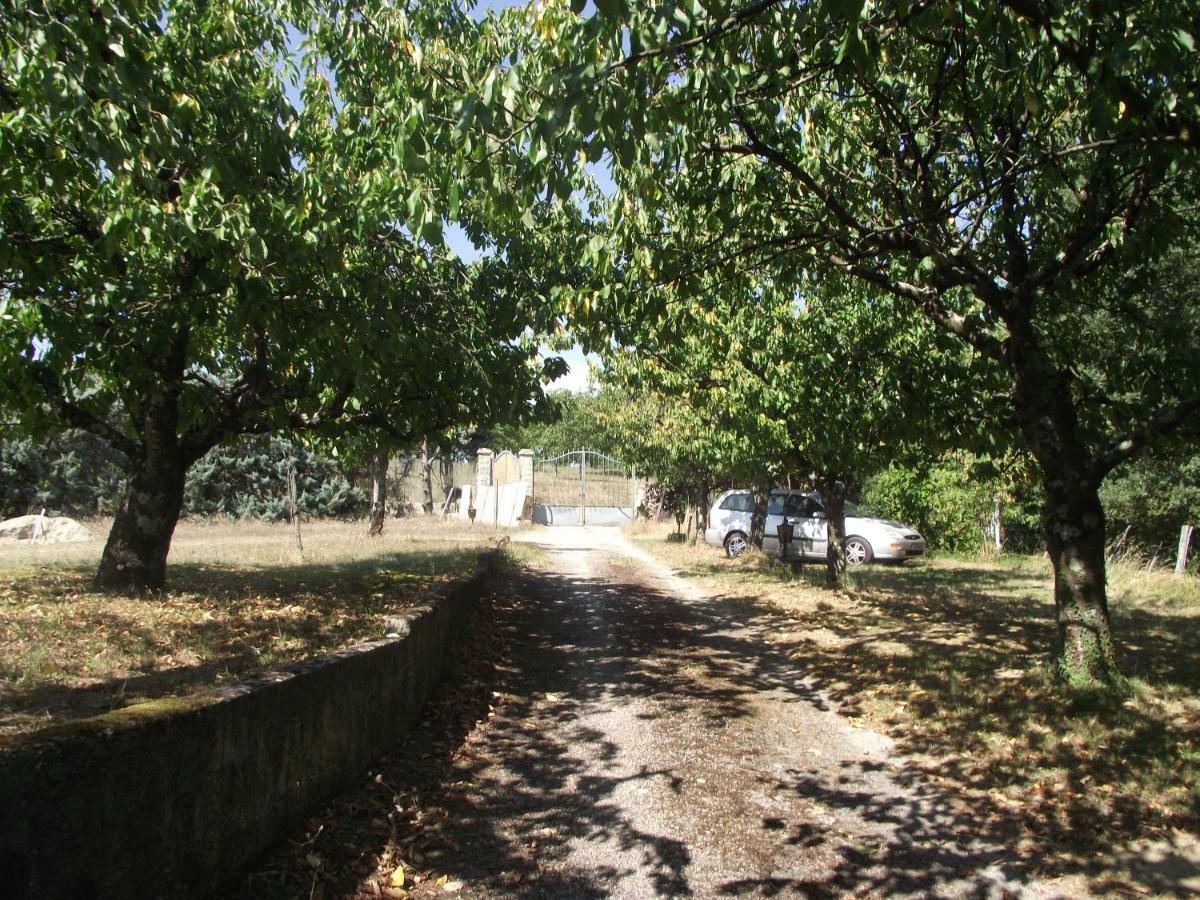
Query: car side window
775	505
738	503
812	506
795	505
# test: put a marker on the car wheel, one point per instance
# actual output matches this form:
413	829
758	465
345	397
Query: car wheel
858	551
736	544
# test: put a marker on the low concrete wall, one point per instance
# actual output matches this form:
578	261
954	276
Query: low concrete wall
170	798
573	515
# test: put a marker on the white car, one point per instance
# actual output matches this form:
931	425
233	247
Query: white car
866	538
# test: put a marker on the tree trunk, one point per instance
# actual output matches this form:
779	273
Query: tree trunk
1072	518
379	471
758	519
1073	522
446	469
427	463
293	505
135	555
833	495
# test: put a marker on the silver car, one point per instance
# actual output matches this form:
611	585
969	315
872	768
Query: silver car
866	538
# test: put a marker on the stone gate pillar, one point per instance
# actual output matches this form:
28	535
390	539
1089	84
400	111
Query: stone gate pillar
525	474
525	468
483	470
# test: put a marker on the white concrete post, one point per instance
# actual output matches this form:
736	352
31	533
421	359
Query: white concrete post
996	527
483	467
483	476
525	467
1185	538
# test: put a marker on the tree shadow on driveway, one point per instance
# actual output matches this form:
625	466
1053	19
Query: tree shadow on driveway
510	786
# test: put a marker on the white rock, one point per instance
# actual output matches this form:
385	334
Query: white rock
52	530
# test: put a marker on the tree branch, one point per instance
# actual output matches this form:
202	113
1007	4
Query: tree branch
74	415
729	23
1133	441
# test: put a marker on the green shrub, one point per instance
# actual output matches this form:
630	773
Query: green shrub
248	479
1146	501
77	474
73	473
951	502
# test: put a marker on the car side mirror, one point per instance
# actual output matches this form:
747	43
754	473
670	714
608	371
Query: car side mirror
818	513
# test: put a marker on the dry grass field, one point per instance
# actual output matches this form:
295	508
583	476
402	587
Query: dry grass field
240	600
949	658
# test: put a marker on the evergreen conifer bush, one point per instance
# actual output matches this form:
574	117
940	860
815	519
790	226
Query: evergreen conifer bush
248	479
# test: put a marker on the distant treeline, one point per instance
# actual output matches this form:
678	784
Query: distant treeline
950	500
77	474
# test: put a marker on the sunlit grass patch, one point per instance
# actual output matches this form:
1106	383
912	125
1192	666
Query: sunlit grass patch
241	599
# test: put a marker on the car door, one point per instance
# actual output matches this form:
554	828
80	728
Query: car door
793	513
771	525
733	512
812	527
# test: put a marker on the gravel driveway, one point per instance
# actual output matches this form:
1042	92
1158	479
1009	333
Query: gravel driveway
652	741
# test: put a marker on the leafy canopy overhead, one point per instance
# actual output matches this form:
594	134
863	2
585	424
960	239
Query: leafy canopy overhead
995	166
172	222
986	163
810	373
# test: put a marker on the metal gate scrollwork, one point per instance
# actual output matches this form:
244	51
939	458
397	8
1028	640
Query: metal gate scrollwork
582	487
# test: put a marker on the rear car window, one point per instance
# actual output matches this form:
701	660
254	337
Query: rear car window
738	503
793	505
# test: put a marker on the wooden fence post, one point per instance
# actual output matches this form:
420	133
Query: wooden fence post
292	504
1185	538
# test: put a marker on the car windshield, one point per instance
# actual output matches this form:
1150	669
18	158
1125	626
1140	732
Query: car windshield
852	510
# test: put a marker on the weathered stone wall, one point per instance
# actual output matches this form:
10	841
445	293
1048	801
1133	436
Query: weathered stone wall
171	798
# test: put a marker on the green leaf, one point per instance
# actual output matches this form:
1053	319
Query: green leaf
431	232
609	9
415	204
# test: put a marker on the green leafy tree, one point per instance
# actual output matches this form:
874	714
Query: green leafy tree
826	387
183	242
951	499
1148	500
570	421
995	166
666	440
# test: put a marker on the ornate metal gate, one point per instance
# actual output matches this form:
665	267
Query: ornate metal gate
583	487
